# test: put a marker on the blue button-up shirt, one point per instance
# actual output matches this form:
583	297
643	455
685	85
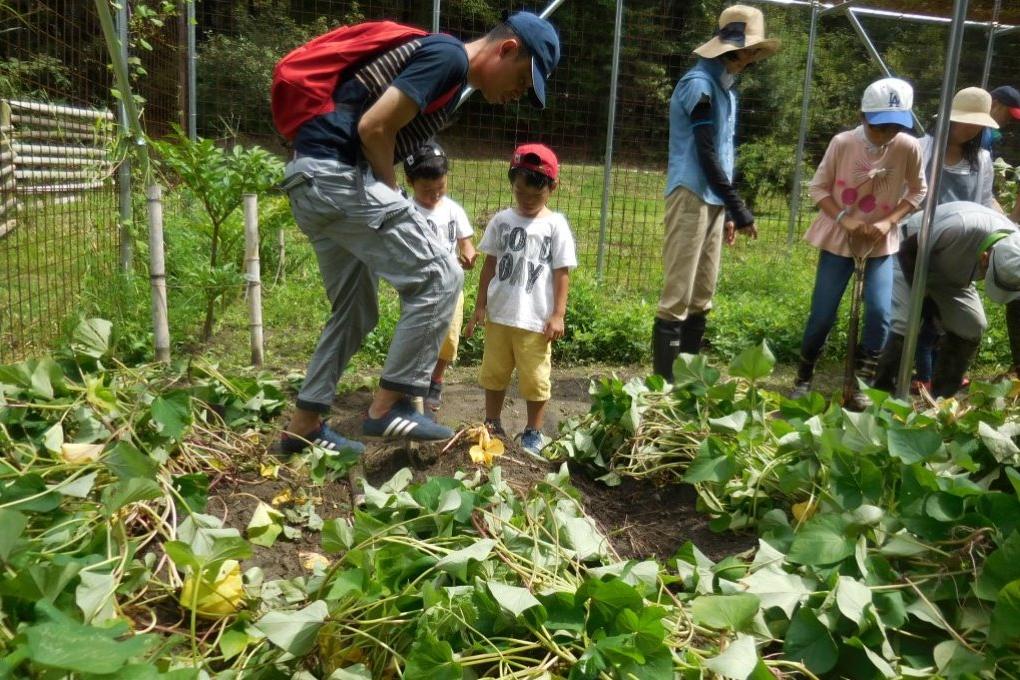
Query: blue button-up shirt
703	80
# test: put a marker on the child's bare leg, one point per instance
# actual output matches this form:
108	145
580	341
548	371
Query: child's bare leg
536	414
494	403
439	370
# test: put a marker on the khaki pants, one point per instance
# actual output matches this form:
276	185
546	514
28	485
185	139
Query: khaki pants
690	251
448	352
506	348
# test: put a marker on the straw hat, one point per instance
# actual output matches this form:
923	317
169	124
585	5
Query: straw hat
973	105
740	27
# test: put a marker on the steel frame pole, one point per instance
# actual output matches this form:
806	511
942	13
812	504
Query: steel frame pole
934	170
990	49
805	111
607	168
192	73
124	171
435	15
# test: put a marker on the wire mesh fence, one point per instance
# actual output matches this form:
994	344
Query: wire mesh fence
53	53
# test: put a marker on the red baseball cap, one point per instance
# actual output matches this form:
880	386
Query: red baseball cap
537	157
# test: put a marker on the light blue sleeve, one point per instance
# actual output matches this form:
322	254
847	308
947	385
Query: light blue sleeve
688	93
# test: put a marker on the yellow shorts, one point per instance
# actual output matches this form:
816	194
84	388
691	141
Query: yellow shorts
529	352
448	352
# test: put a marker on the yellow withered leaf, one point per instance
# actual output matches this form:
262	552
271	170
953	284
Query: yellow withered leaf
486	449
269	471
222	596
282	498
804	510
79	454
313	560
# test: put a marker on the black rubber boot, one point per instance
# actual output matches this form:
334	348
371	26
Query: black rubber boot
693	333
889	363
666	339
802	383
951	364
867	363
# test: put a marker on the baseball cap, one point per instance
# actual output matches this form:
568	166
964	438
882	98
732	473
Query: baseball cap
1002	280
423	153
539	36
537	157
1010	97
888	100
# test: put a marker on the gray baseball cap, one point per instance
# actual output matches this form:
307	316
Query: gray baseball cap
1002	280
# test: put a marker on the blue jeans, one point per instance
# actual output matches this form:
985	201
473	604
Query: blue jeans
834	272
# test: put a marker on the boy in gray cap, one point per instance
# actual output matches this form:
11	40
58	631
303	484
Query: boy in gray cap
968	240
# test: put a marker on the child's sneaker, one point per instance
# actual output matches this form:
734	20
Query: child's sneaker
495	427
402	421
532	442
435	397
325	437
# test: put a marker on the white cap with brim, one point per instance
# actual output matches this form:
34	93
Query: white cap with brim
1002	280
888	100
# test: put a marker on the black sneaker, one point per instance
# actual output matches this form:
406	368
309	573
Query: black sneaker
495	427
325	437
402	421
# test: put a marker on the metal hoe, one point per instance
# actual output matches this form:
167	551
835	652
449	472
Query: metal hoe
849	371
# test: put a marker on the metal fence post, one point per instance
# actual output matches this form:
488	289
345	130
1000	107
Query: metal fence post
990	49
805	110
192	73
934	171
607	170
124	171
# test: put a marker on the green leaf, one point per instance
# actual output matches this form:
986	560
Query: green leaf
337	535
725	612
456	563
356	672
433	659
511	598
738	661
1001	567
95	596
294	631
171	413
78	648
733	423
913	446
91	337
776	588
265	525
754	363
852	598
194	490
12	524
232	643
822	541
1005	626
808	640
53	438
954	660
130	491
126	462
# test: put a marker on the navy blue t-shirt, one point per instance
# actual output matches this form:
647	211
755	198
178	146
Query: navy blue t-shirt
433	68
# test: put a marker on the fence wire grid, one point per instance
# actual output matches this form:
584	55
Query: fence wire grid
59	213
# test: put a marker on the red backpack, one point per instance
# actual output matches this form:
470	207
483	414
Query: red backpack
304	80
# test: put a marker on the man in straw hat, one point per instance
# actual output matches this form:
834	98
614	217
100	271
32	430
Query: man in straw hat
702	206
968	241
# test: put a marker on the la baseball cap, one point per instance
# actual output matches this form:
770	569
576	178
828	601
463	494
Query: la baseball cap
537	157
1009	97
539	36
888	100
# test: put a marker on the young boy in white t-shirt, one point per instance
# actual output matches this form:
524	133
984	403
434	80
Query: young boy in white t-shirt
522	292
426	170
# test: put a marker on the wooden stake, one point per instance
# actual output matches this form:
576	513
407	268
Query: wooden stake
157	273
253	275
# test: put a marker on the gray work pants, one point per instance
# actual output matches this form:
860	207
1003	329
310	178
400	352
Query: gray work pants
960	309
363	230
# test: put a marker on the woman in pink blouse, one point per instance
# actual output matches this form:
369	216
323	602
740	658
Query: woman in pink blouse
870	178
